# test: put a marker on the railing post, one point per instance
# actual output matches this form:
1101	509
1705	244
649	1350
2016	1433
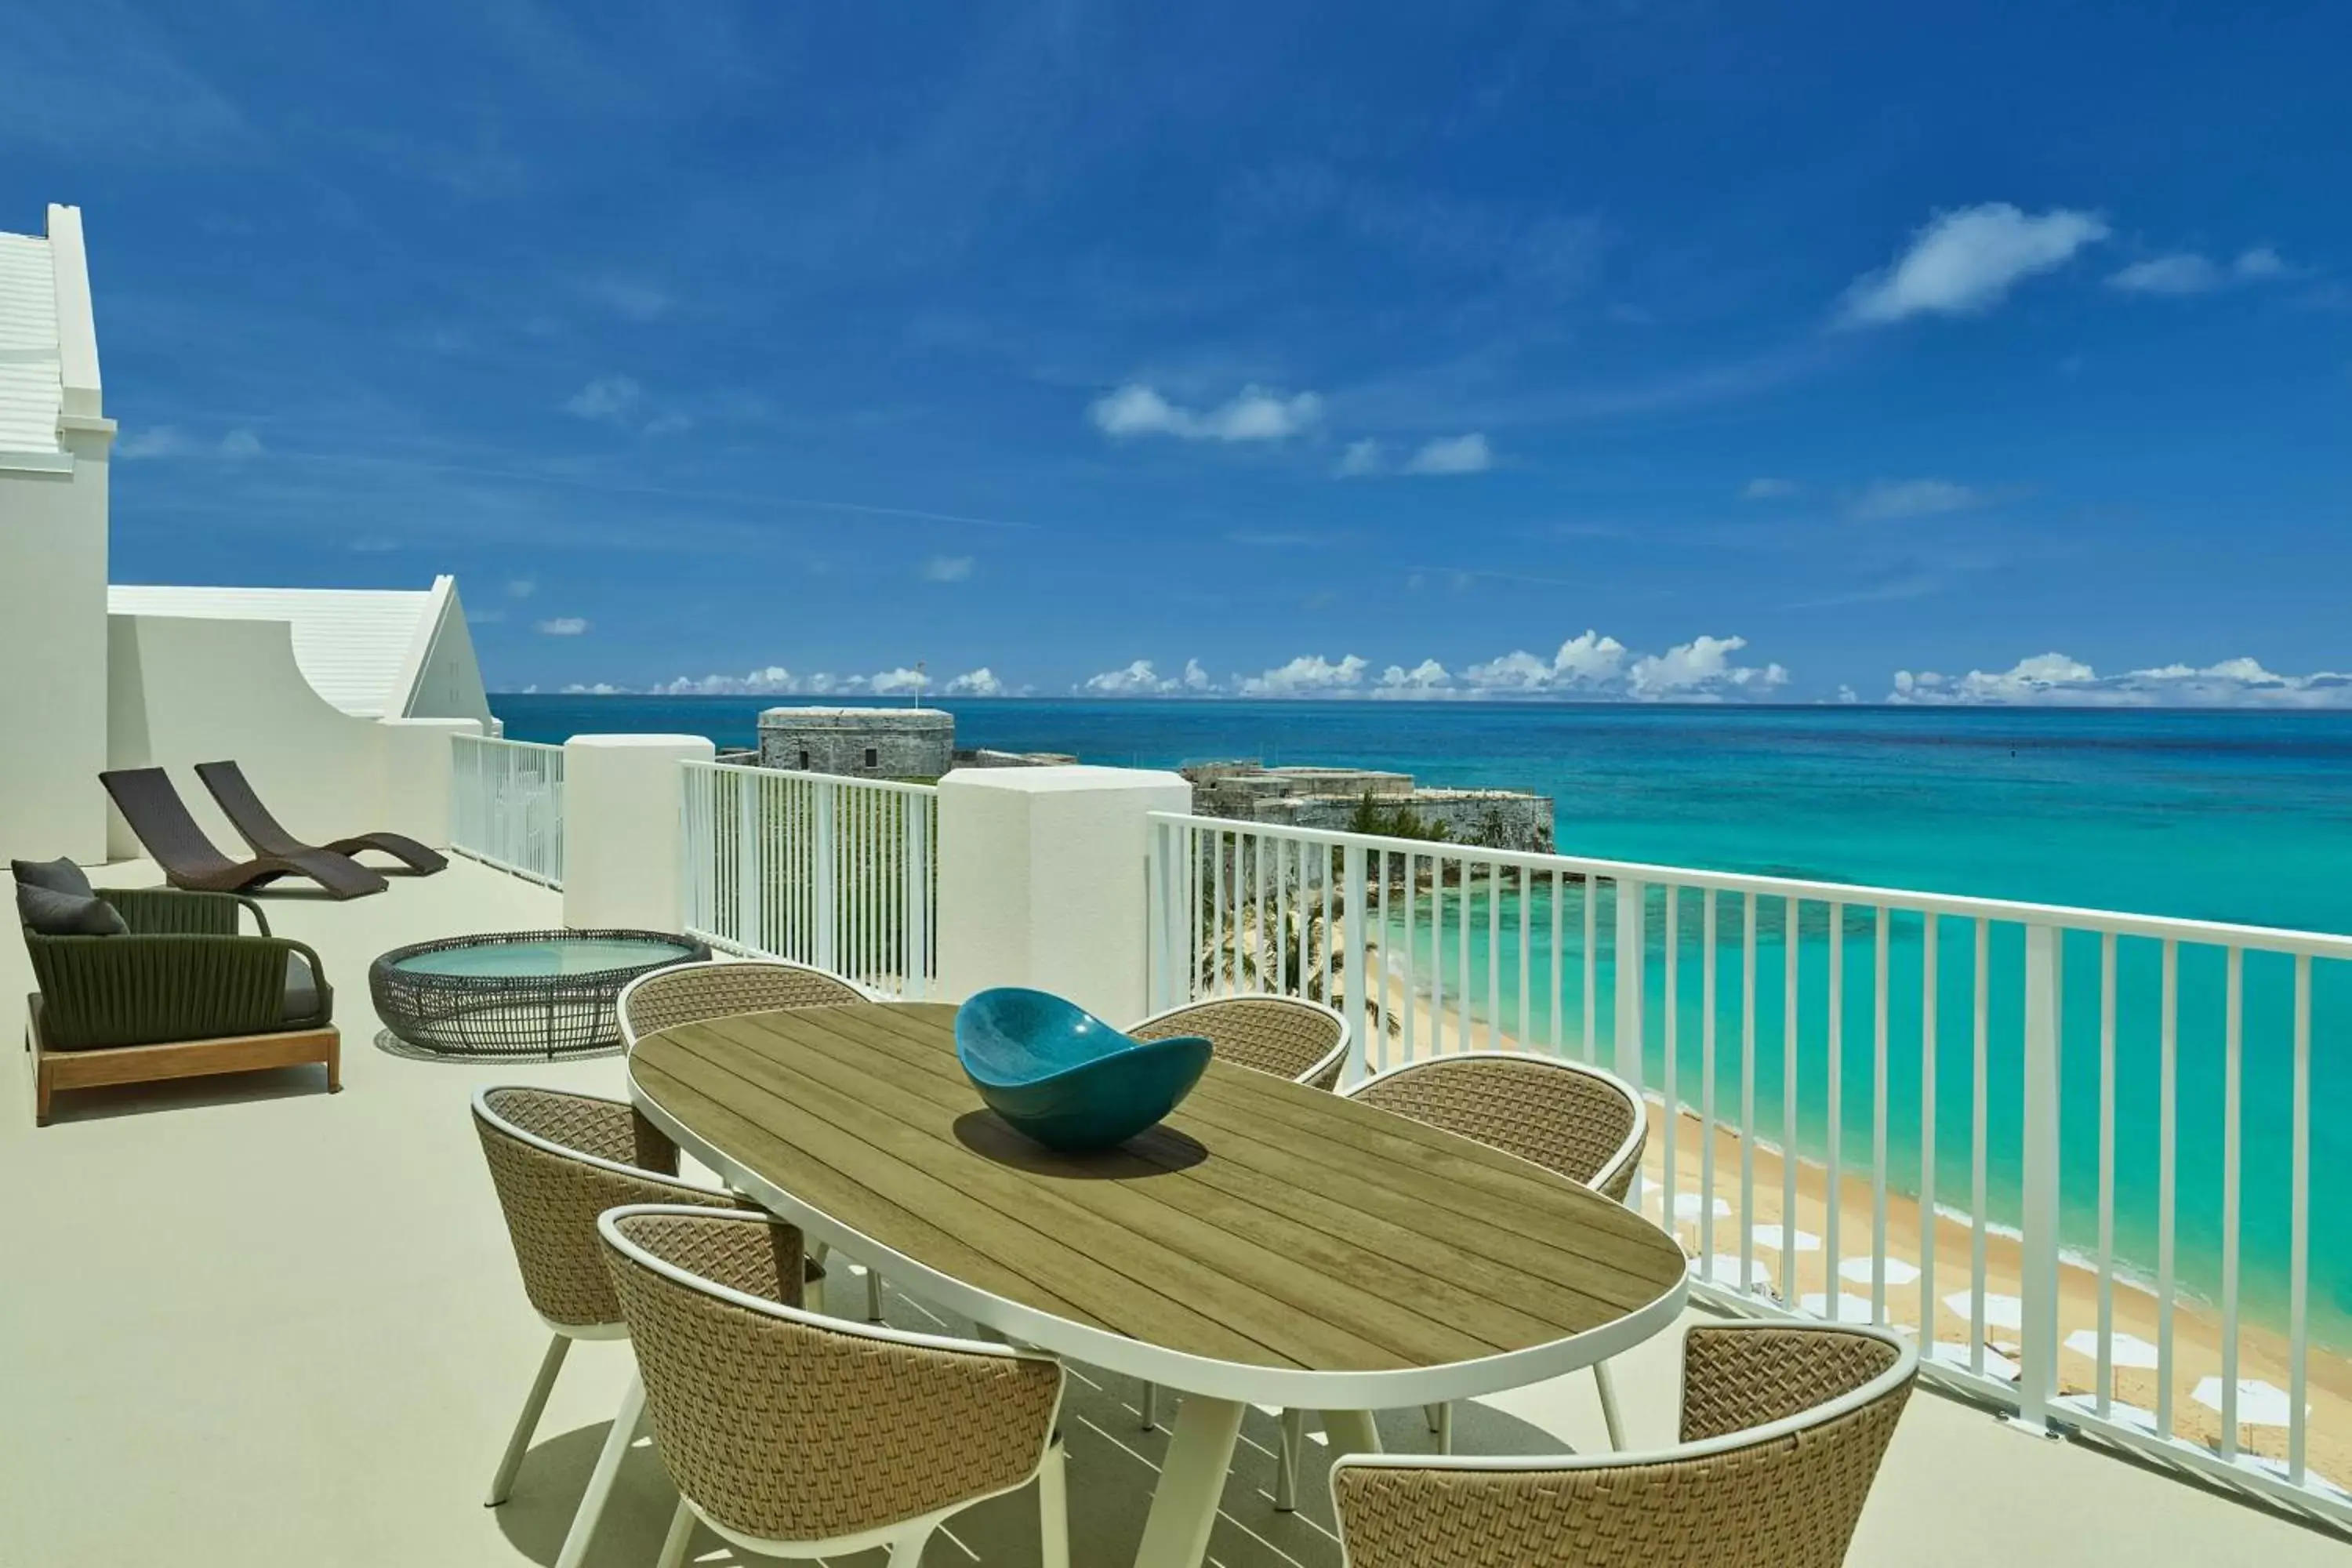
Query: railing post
826	871
1363	1014
2038	1335
1633	900
1160	919
914	949
747	860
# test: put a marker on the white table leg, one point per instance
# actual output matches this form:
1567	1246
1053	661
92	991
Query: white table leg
1191	1483
1351	1432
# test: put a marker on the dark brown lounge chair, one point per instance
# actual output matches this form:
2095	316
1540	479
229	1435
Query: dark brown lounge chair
258	828
161	819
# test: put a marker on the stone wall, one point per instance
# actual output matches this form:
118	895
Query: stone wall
1490	819
859	742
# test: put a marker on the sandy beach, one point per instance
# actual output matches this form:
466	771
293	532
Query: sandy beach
2196	1325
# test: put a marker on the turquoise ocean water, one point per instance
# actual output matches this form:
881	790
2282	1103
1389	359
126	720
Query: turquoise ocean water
2226	817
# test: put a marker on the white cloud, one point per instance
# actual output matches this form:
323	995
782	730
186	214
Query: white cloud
1360	458
1889	499
521	587
1769	489
1256	413
1309	675
2053	679
1424	681
1136	680
602	688
563	626
1583	663
980	682
1453	455
1965	261
1701	666
899	682
1196	679
2187	272
608	397
171	441
947	569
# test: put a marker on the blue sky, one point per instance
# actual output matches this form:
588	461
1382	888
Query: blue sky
1336	350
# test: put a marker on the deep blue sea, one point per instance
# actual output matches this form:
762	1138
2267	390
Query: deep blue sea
2243	817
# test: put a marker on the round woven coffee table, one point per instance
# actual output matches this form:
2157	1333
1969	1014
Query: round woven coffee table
532	994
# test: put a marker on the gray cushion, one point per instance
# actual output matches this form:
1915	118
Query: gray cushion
52	913
302	991
60	875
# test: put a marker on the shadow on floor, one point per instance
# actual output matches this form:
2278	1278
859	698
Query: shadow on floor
1114	1464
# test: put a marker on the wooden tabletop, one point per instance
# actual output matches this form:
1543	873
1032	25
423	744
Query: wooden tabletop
1265	1224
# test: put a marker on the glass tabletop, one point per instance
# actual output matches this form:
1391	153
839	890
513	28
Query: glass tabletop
546	956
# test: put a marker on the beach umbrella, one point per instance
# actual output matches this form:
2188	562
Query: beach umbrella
1995	1363
2125	1350
1851	1308
1999	1311
1856	1270
1771	1236
2259	1404
1689	1206
1723	1269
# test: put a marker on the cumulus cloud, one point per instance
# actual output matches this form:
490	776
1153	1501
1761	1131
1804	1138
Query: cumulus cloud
610	398
240	444
1309	675
1588	663
521	587
896	683
1965	261
1255	413
980	682
1424	680
1196	679
1890	499
947	569
1769	489
1360	458
563	626
1451	455
1136	680
2053	679
1701	668
2187	272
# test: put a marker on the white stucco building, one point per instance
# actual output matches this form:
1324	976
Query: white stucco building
336	701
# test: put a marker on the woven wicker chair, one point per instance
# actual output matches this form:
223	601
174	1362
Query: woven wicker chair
690	993
796	1435
558	1161
1574	1119
1782	1431
1289	1036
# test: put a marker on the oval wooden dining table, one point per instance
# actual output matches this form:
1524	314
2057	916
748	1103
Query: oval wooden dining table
1267	1244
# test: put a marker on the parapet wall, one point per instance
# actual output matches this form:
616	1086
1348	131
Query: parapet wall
859	742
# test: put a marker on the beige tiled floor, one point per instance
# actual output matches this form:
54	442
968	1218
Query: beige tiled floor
248	1323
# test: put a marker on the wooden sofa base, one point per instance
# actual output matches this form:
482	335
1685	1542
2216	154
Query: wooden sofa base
55	1069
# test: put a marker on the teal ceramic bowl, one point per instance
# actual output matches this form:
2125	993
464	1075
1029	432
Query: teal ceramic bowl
1064	1077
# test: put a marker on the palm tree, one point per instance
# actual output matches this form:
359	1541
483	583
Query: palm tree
1291	945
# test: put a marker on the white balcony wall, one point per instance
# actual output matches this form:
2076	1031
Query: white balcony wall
183	691
52	651
622	799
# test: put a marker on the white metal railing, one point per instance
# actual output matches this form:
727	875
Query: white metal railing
1887	1106
506	806
835	872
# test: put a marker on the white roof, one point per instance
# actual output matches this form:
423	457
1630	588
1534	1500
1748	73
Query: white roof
32	387
360	649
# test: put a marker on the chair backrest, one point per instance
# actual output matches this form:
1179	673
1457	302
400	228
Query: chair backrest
559	1160
689	992
234	795
779	1425
1289	1036
1586	1124
1783	1426
160	818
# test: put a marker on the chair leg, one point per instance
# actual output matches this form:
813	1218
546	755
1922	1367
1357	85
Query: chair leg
812	1291
681	1533
1285	1461
527	1424
873	1295
1053	1508
907	1551
1608	1405
599	1479
1150	1403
